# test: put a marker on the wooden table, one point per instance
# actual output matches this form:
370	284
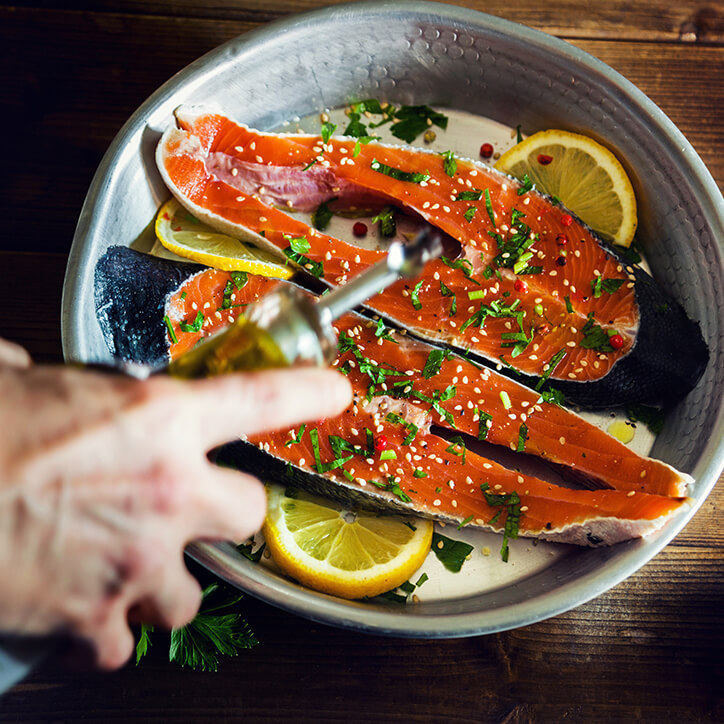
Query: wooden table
649	650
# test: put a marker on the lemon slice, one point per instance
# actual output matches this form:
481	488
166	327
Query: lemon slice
334	550
583	174
183	234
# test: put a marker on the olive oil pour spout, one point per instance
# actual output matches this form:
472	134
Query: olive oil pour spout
287	327
402	261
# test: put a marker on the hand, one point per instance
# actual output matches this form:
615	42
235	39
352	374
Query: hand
104	480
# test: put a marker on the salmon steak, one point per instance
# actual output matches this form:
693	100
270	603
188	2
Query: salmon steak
525	286
420	433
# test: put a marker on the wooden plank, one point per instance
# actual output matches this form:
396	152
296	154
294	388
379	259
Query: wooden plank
660	20
651	645
30	295
63	114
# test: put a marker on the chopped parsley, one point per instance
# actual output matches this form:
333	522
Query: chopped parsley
595	337
247	550
552	364
489	207
215	631
238	281
411	121
450	165
474	195
600	285
194	326
397	173
517	340
463	523
446	292
526	185
465	266
414	295
321	218
451	553
434	362
513	251
169	328
298	247
418	473
382	331
298	244
652	417
457	447
409	426
391	486
483	428
327	130
297	437
436	399
386	220
522	437
511	504
470	213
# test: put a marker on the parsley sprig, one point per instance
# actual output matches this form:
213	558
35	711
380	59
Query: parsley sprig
216	631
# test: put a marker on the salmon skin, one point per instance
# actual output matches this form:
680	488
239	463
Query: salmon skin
532	288
383	452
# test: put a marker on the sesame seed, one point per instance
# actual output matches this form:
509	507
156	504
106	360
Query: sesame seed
562	440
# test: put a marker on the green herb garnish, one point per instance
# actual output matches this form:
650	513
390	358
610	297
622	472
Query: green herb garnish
483	428
414	295
327	130
392	487
474	195
511	502
321	218
526	185
447	292
434	362
489	207
652	417
470	213
554	362
194	326
411	121
457	447
398	173
386	219
595	337
451	553
450	165
169	327
522	437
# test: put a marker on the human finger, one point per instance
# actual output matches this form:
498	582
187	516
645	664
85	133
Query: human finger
112	639
175	600
231	506
245	404
13	355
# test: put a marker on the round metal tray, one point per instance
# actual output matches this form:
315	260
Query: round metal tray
438	54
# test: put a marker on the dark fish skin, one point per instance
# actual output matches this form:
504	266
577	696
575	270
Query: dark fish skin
668	359
130	294
665	364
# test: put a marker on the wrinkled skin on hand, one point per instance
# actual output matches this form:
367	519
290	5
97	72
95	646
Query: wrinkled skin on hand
104	480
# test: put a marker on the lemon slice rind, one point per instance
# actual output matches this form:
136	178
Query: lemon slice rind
586	176
335	551
184	235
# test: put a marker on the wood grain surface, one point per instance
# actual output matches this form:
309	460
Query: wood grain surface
649	650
